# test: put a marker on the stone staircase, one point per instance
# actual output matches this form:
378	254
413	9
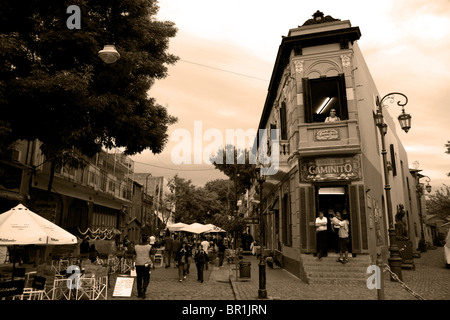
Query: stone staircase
328	271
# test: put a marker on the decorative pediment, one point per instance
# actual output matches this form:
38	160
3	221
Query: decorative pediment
318	17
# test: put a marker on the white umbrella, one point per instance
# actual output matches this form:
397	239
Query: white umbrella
176	226
21	226
195	228
213	228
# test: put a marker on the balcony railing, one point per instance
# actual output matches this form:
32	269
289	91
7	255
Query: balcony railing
335	137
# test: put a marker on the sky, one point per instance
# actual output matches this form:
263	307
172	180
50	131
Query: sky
227	52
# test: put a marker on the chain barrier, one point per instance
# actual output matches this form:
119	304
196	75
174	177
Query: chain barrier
403	285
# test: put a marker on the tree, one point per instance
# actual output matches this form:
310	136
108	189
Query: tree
55	88
192	203
240	171
439	203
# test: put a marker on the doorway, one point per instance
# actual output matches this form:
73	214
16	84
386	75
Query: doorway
333	199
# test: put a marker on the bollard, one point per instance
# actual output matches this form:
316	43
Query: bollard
380	290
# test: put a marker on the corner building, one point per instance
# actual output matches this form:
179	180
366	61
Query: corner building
329	166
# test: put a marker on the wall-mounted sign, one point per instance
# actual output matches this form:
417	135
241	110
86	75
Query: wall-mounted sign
251	220
326	134
331	169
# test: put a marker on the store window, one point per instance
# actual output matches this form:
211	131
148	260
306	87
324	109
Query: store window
323	94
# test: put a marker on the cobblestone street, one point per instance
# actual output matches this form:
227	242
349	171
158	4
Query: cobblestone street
430	281
164	285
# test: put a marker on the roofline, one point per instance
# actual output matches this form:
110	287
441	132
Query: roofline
342	36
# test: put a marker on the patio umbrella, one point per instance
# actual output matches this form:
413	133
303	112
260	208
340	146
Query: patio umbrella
195	228
176	226
213	228
21	226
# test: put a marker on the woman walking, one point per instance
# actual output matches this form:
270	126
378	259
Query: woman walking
201	258
181	258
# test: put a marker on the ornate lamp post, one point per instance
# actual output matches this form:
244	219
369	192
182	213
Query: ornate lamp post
422	243
109	54
262	292
394	260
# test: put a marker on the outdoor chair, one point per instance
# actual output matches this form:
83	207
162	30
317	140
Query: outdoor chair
61	290
29	277
101	288
85	288
30	294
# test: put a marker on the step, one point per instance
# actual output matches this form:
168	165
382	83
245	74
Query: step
338	275
342	268
328	271
336	281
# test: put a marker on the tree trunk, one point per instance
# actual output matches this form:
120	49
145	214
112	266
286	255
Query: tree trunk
50	181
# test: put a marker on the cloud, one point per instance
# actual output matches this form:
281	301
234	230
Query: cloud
228	50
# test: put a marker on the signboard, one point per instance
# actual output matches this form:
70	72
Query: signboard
331	169
123	287
251	220
11	288
326	134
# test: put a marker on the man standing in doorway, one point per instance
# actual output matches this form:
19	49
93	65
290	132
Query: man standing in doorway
321	230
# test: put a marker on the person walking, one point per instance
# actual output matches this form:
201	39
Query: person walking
321	231
335	229
221	248
142	263
176	244
201	259
343	237
168	245
181	257
190	250
205	246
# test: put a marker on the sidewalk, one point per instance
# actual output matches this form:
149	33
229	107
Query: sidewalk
430	281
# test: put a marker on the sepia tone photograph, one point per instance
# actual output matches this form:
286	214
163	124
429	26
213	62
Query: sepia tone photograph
224	157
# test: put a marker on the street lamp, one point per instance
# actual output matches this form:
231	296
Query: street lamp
109	54
262	292
395	262
419	189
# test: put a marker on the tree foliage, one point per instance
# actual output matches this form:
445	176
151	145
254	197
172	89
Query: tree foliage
209	204
191	203
439	203
240	170
55	88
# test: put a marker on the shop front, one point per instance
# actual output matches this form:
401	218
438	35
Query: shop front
332	185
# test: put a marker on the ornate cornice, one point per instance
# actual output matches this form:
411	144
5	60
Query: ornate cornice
318	17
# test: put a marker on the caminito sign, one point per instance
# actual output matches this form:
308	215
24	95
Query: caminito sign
330	169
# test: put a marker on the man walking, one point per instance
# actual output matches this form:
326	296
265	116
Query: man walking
168	246
142	262
205	246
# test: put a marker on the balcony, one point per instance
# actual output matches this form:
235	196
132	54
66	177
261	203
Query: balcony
329	138
90	179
